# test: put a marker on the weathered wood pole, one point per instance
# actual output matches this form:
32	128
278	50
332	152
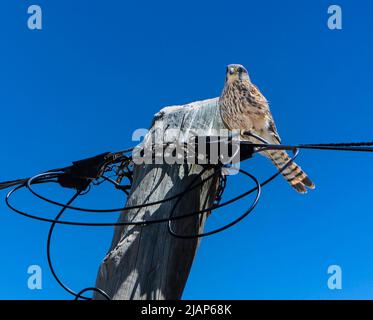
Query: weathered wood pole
146	262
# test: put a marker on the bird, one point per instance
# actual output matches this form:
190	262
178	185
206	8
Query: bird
244	108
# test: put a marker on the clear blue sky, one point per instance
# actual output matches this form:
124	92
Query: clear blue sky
100	69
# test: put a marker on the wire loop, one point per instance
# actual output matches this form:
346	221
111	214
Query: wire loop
106	163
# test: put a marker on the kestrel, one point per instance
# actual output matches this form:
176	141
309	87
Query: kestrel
244	108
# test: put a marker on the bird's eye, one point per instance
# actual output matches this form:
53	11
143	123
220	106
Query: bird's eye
231	71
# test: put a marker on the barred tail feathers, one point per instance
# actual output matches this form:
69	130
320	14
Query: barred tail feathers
293	174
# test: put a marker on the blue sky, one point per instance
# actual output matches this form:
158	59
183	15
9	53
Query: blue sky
97	72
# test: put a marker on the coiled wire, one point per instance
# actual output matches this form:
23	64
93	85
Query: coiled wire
52	177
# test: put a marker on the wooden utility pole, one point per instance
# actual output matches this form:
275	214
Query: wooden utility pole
146	262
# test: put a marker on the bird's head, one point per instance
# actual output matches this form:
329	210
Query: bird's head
236	72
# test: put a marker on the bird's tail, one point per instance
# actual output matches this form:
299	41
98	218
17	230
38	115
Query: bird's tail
293	173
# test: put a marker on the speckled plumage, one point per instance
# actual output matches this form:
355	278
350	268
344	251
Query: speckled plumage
244	108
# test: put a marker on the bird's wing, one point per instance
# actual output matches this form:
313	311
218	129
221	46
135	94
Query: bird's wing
260	98
272	129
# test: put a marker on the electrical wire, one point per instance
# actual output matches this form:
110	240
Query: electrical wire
54	176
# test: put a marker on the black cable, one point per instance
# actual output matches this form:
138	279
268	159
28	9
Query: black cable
10	193
231	224
341	146
55	175
100	291
50	176
30	182
50	264
142	222
246	213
